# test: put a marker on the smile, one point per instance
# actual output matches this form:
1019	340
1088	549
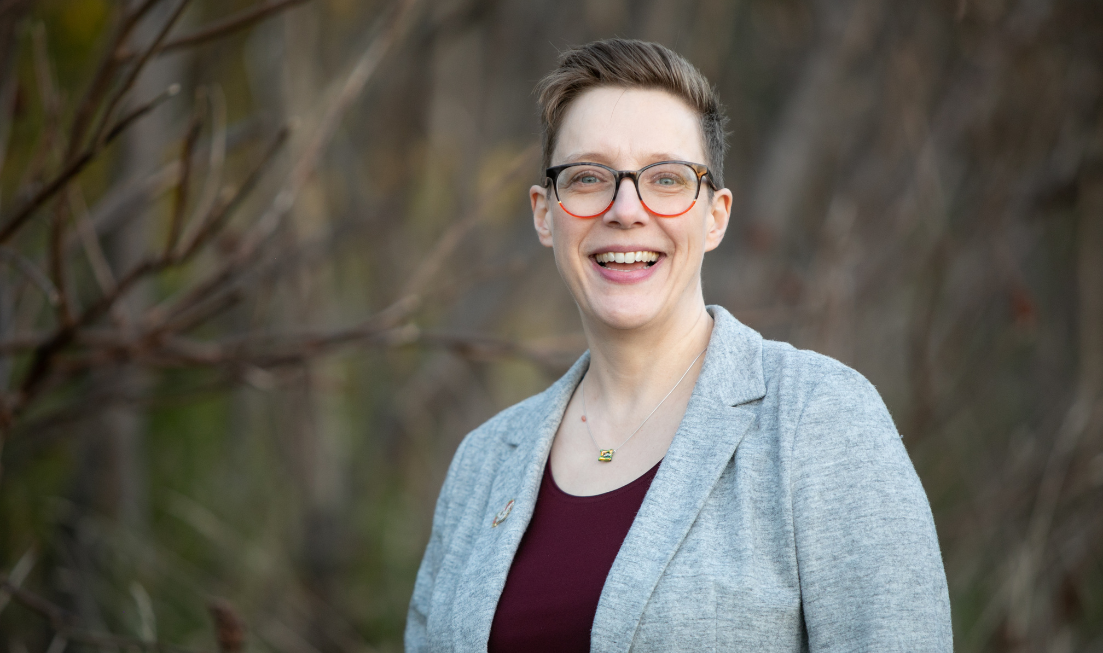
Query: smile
626	260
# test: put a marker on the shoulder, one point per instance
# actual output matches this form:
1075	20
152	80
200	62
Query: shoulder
807	371
801	380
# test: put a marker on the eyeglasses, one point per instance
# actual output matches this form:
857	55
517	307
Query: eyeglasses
666	188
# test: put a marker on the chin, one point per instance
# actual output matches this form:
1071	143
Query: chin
625	313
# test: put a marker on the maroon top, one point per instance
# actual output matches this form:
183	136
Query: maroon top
551	593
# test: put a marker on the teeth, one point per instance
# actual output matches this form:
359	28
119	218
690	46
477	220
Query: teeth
629	257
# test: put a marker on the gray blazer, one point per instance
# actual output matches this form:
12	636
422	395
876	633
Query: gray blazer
786	516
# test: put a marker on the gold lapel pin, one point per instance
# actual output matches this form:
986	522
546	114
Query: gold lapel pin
502	514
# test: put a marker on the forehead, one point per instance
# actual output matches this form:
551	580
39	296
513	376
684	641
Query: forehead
628	128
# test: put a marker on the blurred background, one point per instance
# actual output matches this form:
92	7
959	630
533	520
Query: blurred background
263	263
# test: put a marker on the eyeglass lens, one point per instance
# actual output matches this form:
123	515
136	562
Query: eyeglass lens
665	189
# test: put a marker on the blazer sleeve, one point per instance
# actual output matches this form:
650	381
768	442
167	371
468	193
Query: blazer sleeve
417	616
871	573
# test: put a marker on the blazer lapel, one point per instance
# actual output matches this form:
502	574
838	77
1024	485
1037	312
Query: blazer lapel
517	479
706	440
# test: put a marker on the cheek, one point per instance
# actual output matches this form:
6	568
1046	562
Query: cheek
567	234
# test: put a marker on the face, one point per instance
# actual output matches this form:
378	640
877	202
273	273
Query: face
627	129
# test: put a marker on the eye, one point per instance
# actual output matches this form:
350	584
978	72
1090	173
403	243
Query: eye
583	178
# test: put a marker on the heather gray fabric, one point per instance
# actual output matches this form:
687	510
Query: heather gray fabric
786	516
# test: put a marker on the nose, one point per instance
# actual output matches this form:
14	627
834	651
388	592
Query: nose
627	210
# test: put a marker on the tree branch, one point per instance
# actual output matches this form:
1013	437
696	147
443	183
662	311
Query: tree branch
230	24
20	216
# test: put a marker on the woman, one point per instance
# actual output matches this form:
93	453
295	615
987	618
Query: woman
687	485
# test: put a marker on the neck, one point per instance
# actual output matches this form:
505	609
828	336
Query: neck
631	369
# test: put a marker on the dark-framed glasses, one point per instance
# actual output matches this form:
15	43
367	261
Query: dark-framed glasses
666	188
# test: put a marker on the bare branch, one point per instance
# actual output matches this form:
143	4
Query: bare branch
31	271
86	110
62	623
180	200
58	263
217	154
86	233
220	212
18	574
482	347
342	99
140	111
73	168
99	136
45	353
230	24
52	132
308	158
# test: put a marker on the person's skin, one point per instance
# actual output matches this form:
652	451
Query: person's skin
642	333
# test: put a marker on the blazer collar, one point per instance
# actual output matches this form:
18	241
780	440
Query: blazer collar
705	441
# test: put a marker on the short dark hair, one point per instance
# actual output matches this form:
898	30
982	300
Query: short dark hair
632	64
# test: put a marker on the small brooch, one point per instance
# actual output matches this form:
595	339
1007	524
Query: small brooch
502	514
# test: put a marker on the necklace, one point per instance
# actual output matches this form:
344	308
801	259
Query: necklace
606	455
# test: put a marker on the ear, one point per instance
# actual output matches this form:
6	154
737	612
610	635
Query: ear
541	214
718	218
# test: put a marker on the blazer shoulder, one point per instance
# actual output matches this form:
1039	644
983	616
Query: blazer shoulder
800	379
782	362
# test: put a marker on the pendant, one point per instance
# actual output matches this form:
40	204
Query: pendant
605	455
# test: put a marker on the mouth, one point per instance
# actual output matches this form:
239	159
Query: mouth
627	261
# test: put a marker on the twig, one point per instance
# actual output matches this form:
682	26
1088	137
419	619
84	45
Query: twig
86	110
217	154
140	111
180	200
63	624
52	103
482	347
86	233
44	354
269	221
58	263
348	91
55	615
18	574
99	135
228	25
220	212
201	313
73	168
28	268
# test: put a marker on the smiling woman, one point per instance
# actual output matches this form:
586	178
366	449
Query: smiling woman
687	485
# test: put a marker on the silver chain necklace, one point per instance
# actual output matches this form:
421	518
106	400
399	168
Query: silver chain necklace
606	455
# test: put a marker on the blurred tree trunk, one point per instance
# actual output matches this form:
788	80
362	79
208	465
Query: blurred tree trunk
112	478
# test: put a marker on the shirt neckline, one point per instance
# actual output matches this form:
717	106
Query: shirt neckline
559	493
